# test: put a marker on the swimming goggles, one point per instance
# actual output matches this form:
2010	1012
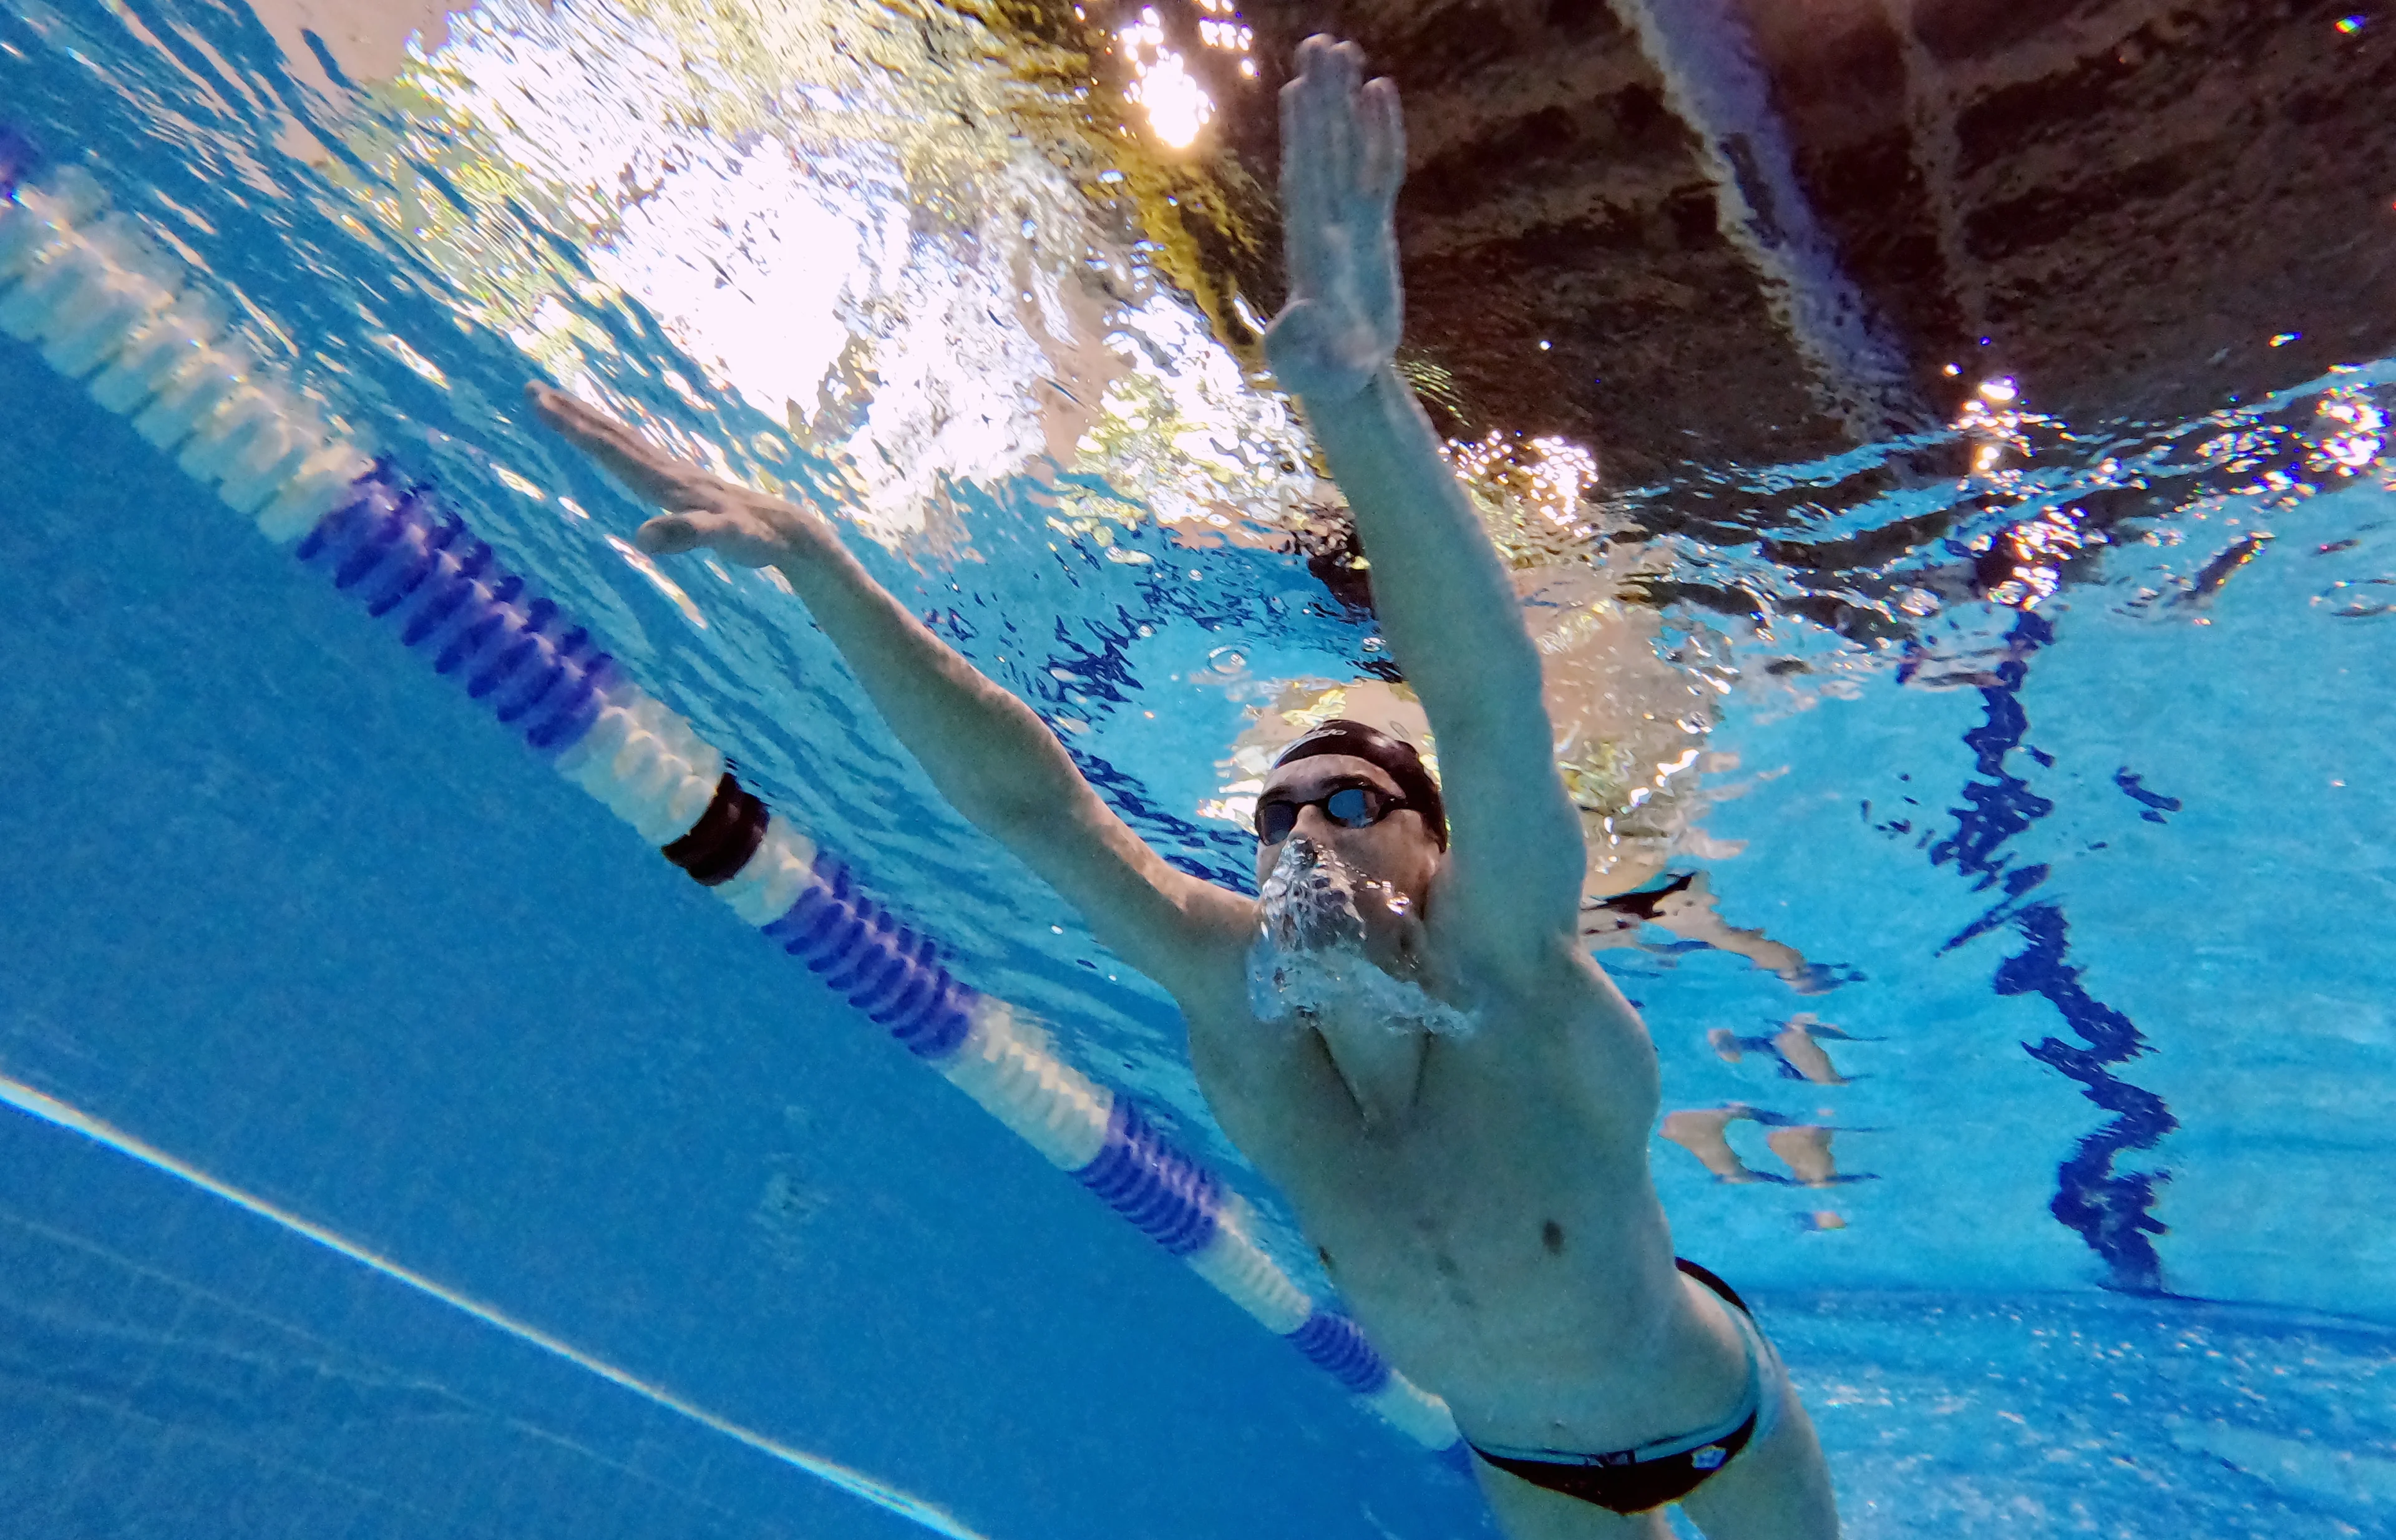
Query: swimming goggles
1351	804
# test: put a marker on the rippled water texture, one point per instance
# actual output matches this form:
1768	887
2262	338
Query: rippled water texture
2024	1041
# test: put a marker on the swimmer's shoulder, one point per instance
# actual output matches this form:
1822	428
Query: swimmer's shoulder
1184	934
1559	1010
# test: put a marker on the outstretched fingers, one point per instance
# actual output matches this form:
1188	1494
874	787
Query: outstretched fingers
1339	70
1384	132
1308	198
639	465
1321	137
1343	155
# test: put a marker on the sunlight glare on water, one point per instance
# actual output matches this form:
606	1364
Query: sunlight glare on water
829	208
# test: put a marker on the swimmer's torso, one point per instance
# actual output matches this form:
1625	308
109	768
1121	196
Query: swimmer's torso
1483	1201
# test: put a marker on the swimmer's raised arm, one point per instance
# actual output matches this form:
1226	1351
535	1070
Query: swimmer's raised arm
991	757
1512	881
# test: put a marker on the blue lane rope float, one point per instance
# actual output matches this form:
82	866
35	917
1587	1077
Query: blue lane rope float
107	305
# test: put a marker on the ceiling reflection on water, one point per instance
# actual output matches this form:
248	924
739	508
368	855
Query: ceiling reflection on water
865	221
912	242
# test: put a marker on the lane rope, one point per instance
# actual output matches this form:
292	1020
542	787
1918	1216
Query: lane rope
108	306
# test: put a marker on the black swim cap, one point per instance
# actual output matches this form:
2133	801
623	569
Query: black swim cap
1341	736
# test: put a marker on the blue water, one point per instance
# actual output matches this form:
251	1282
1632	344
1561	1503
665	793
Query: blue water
2101	883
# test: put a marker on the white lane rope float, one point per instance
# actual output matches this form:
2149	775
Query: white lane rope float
107	305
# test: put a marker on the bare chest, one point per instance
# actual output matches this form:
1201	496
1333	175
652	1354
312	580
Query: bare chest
1481	1200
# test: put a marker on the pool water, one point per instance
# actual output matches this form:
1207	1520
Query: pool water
2077	816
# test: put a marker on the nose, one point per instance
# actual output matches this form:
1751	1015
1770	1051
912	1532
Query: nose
1312	824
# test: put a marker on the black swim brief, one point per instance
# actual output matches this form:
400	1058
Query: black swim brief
1633	1480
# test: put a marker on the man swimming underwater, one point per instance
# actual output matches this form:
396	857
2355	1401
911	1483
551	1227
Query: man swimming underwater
1404	1034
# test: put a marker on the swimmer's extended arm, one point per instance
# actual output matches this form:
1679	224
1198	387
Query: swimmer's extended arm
989	753
1514	874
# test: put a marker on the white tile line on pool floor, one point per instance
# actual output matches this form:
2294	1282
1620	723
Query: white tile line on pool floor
59	1114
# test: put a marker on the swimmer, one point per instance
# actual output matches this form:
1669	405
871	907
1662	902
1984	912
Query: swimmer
1475	1177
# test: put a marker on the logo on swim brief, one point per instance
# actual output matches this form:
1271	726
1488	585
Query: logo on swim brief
1708	1459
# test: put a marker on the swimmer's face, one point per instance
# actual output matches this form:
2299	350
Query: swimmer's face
1399	850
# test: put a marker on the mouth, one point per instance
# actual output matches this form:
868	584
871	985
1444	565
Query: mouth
1312	954
1308	900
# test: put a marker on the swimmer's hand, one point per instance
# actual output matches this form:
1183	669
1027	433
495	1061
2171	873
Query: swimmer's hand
1343	155
743	524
